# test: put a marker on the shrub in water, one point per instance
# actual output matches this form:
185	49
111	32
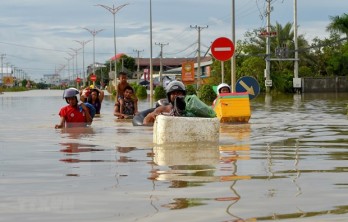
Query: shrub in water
191	90
160	93
141	92
207	94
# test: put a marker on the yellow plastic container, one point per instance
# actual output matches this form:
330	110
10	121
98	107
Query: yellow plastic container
233	107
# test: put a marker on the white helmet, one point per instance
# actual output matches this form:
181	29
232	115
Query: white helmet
222	85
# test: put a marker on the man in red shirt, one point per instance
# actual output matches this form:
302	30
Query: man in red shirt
73	114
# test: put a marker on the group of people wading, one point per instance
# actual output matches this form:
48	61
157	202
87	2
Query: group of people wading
80	112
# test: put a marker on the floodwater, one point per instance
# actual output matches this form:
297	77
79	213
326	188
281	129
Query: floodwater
289	163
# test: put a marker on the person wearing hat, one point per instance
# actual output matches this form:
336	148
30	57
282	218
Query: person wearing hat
222	88
176	92
74	114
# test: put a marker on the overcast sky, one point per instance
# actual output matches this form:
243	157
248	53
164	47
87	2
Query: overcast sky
36	35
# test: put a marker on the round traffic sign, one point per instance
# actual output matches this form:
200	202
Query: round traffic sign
222	49
93	78
248	84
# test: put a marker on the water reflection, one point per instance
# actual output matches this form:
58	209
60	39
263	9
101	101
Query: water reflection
187	164
125	158
196	165
239	132
78	148
73	147
77	132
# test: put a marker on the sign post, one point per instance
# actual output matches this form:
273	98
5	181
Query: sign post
222	49
78	80
93	78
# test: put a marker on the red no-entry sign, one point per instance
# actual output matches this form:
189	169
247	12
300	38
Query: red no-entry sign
93	78
222	49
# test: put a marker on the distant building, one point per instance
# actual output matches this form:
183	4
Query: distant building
52	79
168	63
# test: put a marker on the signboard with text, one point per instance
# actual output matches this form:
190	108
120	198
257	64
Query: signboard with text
187	72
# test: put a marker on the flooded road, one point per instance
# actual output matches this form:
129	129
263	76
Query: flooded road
289	163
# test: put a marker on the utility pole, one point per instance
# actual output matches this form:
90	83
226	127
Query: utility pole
296	80
161	58
83	43
2	56
199	28
94	33
76	53
68	59
268	81
233	59
151	79
138	65
113	11
72	65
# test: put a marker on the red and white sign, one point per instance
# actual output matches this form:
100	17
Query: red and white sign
93	78
78	80
222	49
146	74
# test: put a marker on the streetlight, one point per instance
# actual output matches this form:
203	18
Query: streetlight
76	52
72	65
68	59
114	10
151	80
94	33
83	43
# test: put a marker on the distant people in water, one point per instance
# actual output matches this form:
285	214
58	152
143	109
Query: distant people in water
75	114
121	86
127	108
96	97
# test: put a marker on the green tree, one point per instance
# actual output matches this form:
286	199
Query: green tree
160	93
141	92
191	90
207	94
339	24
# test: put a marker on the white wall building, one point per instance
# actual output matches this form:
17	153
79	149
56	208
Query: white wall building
52	79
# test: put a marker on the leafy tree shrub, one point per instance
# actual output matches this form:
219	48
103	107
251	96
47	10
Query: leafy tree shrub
191	90
160	93
141	92
206	94
135	86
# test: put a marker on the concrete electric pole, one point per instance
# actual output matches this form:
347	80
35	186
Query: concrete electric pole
161	58
199	28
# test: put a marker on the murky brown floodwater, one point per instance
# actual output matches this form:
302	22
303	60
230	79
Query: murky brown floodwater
288	164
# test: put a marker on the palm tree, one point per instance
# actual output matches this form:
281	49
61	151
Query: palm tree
339	24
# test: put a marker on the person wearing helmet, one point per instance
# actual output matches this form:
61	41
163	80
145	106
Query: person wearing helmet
222	88
176	92
73	114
